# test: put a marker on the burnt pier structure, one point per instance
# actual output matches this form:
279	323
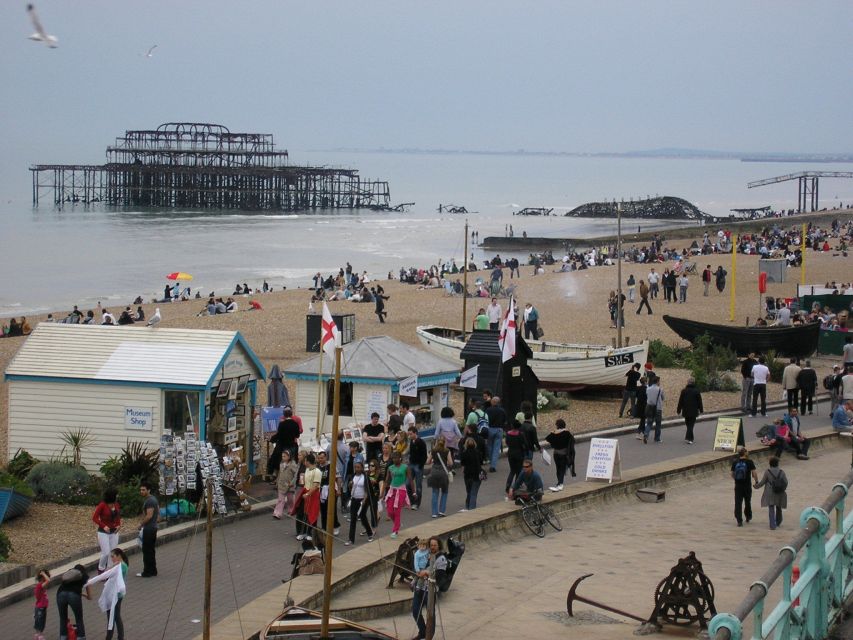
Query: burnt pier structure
205	166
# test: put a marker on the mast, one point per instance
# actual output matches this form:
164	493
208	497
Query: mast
330	505
620	309
208	560
465	286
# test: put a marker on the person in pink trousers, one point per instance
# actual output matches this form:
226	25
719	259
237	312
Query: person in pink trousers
285	484
396	496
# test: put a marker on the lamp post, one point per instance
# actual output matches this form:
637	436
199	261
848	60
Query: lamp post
620	310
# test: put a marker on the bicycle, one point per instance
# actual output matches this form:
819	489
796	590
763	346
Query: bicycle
535	515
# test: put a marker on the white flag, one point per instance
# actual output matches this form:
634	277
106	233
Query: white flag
330	337
468	378
409	387
507	339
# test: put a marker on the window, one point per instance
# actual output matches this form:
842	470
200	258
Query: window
346	398
180	412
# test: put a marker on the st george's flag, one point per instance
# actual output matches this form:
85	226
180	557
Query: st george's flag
330	337
507	339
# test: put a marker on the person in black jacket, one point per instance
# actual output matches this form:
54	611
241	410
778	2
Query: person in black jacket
690	406
417	460
563	444
531	438
640	409
285	438
515	448
807	384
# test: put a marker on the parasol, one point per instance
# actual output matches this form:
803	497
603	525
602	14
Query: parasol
179	275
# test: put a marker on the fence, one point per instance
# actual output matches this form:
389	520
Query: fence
809	607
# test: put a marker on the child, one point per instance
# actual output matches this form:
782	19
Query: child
421	560
40	614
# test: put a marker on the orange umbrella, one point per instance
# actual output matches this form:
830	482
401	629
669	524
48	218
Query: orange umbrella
179	275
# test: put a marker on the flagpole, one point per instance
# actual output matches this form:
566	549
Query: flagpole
320	394
465	286
734	284
330	505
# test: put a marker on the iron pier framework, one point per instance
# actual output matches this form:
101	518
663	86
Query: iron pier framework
807	194
199	165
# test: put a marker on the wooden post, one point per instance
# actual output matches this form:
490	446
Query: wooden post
330	505
465	286
208	560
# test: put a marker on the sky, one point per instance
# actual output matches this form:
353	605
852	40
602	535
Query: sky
488	75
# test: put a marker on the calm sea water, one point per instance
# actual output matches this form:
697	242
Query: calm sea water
53	258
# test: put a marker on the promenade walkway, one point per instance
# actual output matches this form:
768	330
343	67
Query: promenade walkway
252	555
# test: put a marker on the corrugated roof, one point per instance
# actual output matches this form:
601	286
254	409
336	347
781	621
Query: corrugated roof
380	357
125	353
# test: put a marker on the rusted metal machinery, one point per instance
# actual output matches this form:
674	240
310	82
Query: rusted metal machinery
201	165
684	597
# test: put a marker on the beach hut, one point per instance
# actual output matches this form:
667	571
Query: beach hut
371	372
130	383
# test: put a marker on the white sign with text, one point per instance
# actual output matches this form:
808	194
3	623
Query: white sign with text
604	461
139	418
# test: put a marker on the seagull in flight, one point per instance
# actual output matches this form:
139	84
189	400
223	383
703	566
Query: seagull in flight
150	53
40	35
154	320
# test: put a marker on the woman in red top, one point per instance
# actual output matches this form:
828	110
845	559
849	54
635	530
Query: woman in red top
107	517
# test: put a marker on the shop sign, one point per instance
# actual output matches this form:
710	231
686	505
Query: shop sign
604	462
139	418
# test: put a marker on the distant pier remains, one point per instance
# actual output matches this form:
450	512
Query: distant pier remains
206	166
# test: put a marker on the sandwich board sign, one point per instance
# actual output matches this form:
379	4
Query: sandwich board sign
604	461
729	434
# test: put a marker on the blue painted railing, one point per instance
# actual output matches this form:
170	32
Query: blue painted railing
809	607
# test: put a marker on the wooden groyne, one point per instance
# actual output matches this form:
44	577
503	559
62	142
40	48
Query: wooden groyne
206	166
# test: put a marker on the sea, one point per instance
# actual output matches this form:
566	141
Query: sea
52	258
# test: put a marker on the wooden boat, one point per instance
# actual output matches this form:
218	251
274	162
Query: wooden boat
296	623
13	504
794	341
556	364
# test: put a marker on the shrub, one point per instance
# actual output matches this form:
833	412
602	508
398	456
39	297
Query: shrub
58	482
666	356
775	365
129	498
5	546
111	471
8	480
21	464
548	401
134	463
78	439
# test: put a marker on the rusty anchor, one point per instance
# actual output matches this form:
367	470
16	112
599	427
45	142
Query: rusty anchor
573	595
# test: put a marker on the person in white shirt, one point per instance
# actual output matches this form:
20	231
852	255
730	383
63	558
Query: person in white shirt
653	280
783	317
847	353
408	416
760	377
494	312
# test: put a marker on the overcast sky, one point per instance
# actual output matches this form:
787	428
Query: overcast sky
561	75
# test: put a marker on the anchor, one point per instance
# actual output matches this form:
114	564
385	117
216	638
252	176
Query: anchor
573	595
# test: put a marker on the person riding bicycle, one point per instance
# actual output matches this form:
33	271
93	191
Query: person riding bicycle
527	485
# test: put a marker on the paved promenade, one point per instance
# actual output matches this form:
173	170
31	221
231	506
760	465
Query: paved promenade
253	554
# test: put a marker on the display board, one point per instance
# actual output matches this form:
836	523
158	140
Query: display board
604	461
729	434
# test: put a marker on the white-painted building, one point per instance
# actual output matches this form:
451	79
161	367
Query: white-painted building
129	383
371	372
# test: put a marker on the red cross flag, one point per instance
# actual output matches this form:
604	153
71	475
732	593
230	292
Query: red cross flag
507	339
330	337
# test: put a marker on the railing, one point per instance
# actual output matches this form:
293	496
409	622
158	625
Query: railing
807	608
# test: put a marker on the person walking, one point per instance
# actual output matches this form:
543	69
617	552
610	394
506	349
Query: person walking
396	496
515	448
720	278
743	469
114	592
707	275
775	496
472	466
448	428
654	280
632	288
148	530
495	314
630	390
640	411
807	386
654	408
41	604
746	382
644	298
439	476
359	504
310	498
563	445
417	460
760	377
327	485
285	437
689	406
497	424
70	594
789	383
107	518
285	484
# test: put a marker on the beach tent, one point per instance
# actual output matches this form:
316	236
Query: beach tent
129	383
371	372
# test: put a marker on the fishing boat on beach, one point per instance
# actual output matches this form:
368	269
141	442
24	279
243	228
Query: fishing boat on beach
794	341
558	365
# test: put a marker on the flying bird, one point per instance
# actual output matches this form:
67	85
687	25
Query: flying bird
154	320
150	53
40	35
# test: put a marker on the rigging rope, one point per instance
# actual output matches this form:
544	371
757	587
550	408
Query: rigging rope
181	573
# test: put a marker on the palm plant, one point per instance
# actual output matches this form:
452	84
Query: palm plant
77	440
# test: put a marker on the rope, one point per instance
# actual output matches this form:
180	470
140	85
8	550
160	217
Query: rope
181	573
233	586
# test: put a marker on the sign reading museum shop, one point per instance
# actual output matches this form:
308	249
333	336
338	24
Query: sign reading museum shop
139	418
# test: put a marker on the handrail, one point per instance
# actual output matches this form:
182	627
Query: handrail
823	585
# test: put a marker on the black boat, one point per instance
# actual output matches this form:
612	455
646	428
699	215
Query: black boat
794	341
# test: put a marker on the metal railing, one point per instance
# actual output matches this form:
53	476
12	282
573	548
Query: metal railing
809	607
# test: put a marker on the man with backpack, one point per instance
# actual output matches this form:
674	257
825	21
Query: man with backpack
477	418
745	476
